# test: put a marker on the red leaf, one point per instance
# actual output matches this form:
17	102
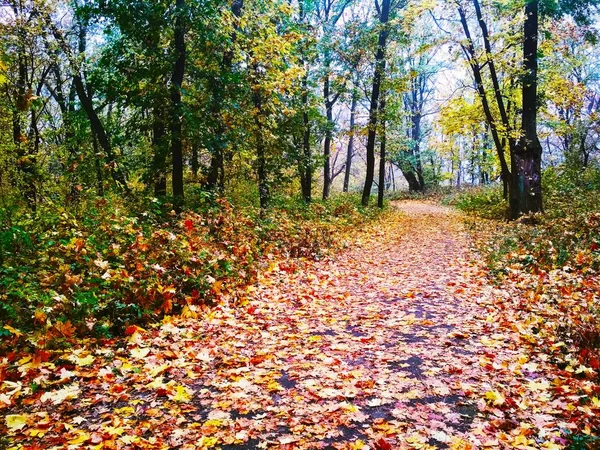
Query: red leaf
189	225
382	444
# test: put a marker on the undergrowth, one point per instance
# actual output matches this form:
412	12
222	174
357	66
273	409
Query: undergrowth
553	259
109	263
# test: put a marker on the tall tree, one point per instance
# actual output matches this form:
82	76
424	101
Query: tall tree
384	16
176	103
216	172
329	13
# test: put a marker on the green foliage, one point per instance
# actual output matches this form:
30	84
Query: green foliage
116	264
583	442
567	234
487	202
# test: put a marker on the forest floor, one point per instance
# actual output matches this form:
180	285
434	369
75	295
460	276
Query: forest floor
396	342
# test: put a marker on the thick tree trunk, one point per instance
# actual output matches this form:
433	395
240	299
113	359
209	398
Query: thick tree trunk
528	151
350	152
416	113
177	113
411	178
373	110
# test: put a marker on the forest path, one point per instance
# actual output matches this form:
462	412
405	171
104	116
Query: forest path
385	345
370	347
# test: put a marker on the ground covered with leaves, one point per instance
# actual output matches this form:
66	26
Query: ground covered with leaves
398	342
94	269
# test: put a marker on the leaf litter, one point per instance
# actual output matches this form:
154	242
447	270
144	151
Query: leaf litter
399	342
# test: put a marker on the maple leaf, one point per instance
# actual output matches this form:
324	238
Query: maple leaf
57	397
16	422
382	444
82	362
182	394
188	225
139	353
495	398
82	436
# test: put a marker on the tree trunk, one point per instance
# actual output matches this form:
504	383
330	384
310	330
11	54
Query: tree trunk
411	179
528	151
25	161
88	106
373	110
216	172
177	113
98	167
416	117
328	135
261	170
476	67
306	167
382	156
159	176
195	162
350	152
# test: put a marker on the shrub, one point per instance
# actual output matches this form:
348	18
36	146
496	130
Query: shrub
115	264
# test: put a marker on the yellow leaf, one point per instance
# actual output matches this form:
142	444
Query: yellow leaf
60	395
14	331
521	440
207	442
551	446
158	370
181	395
37	433
16	422
274	386
157	383
86	361
495	397
128	440
357	445
83	437
139	353
460	444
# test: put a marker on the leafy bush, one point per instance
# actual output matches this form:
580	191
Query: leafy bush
553	260
487	202
115	264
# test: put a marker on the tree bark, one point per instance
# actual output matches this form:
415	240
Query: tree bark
527	181
306	173
382	156
328	134
88	107
176	103
373	110
476	68
261	170
216	172
159	176
350	152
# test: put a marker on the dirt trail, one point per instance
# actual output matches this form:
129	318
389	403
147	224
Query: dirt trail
384	346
